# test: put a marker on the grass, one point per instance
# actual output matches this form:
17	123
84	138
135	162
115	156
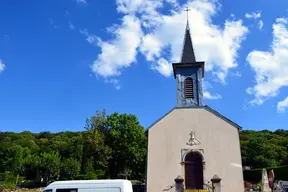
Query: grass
23	190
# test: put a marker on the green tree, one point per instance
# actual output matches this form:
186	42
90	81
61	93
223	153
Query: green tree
15	160
94	146
70	168
32	164
49	166
125	137
263	149
90	172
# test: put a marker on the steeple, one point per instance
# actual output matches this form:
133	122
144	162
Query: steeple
188	74
188	55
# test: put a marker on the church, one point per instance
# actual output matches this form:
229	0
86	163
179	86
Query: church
193	141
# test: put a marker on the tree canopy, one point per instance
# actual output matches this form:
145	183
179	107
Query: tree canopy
264	148
110	146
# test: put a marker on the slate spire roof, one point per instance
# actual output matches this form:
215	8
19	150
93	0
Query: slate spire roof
188	55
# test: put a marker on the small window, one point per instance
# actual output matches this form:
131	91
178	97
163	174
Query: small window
101	189
66	190
48	190
188	88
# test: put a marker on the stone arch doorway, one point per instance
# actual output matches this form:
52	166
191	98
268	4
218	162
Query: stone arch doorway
193	171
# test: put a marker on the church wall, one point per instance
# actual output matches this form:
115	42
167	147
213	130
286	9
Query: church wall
219	144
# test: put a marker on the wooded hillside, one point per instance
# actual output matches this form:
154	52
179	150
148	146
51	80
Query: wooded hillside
264	148
111	146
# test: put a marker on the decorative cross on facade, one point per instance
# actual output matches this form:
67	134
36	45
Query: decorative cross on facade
193	141
187	10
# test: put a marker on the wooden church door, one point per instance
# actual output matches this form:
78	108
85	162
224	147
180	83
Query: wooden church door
193	171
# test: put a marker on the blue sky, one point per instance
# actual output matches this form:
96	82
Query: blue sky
63	60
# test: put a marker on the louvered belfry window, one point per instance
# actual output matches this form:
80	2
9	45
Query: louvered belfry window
188	88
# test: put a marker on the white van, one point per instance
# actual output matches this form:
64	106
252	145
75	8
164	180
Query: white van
90	186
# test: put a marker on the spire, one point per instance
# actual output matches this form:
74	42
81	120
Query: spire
187	51
188	74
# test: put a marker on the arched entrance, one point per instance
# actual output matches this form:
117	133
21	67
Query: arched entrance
193	171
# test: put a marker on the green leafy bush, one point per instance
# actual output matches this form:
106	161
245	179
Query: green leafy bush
2	176
8	185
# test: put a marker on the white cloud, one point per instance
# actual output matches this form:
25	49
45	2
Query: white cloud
237	74
81	1
159	37
140	6
151	47
71	26
208	95
282	105
120	52
206	85
260	24
253	15
2	66
115	82
270	67
163	67
92	39
217	47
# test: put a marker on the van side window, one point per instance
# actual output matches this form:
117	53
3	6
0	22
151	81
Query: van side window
48	190
66	190
101	189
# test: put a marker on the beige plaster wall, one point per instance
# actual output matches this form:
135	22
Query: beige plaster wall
219	142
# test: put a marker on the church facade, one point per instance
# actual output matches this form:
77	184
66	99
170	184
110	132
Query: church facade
193	140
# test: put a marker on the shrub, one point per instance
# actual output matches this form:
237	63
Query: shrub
8	185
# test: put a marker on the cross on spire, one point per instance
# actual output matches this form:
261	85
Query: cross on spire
188	55
187	10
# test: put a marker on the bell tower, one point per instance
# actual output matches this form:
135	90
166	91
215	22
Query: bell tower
188	74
